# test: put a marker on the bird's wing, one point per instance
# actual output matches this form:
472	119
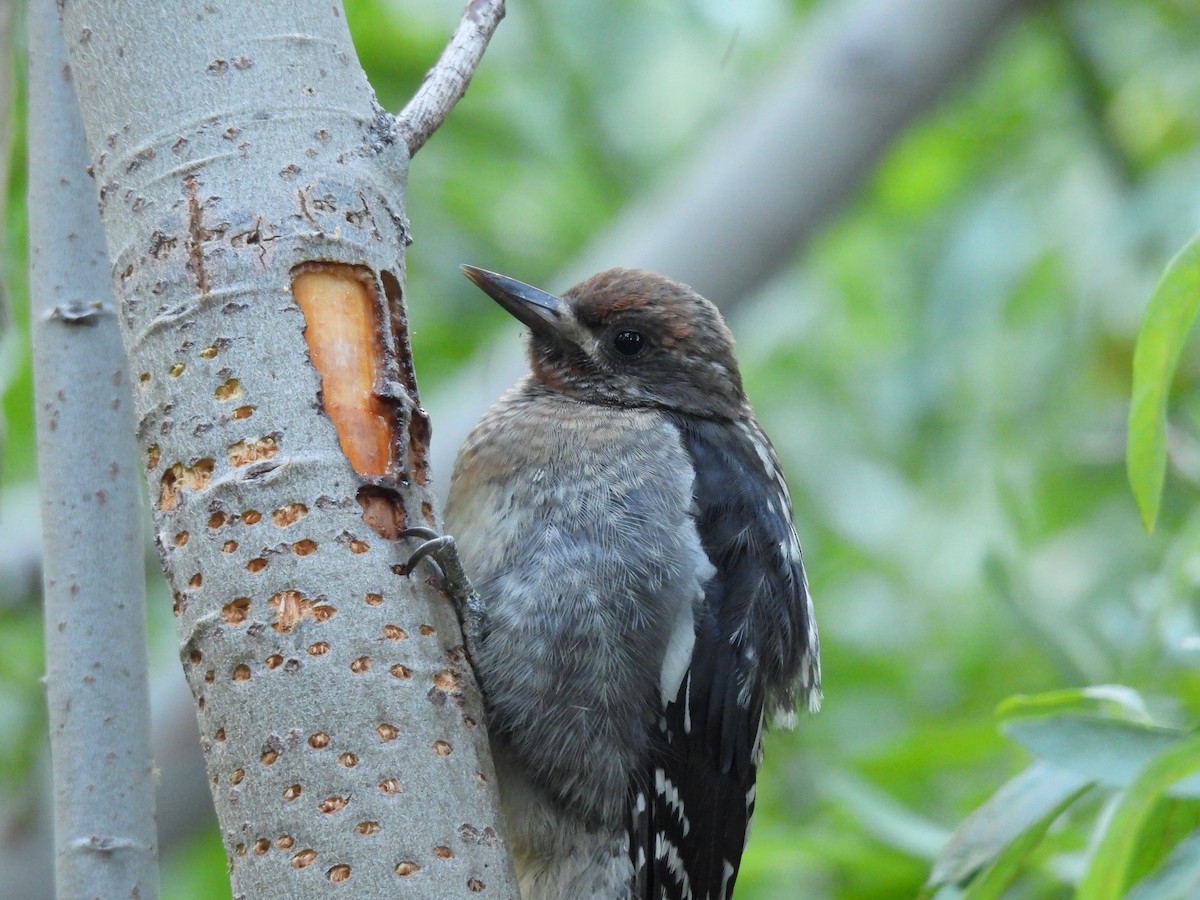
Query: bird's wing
755	645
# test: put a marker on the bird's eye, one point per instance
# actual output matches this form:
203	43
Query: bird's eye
628	342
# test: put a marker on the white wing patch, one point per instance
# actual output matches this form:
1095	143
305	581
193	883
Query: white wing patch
678	656
726	874
687	706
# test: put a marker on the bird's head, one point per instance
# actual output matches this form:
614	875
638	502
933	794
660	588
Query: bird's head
626	337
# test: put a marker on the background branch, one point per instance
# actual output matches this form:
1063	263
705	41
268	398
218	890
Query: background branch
770	177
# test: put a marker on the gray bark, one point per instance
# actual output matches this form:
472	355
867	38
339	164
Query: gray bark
7	18
240	156
93	574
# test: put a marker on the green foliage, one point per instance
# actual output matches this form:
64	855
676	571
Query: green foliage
1165	326
1108	752
1001	833
198	868
1143	831
1107	873
1177	879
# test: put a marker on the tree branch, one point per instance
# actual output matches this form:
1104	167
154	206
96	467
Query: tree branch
447	81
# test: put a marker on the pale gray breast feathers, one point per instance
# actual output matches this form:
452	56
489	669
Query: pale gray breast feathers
575	523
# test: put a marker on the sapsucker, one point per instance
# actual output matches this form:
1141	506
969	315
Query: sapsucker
643	604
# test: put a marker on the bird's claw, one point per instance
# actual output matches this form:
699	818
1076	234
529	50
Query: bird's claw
433	545
441	549
419	531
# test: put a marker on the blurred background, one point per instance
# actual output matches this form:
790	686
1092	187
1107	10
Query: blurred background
933	226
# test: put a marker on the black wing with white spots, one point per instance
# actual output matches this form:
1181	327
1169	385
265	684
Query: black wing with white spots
756	646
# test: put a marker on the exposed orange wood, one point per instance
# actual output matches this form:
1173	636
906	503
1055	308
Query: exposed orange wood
341	309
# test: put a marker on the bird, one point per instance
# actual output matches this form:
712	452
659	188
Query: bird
641	601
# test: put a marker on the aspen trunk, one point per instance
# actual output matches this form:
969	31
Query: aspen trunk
93	562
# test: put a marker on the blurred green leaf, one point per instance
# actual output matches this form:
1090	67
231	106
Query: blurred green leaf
1108	751
1168	318
1177	879
1108	700
197	868
1170	821
1023	806
1109	867
992	883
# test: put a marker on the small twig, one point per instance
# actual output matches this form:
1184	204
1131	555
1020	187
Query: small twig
447	81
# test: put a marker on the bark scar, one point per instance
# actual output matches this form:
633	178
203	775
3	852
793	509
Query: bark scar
80	312
197	235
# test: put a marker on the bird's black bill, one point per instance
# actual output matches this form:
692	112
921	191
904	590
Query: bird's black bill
534	307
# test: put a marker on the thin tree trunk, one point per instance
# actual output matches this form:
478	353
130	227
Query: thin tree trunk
252	194
7	19
95	592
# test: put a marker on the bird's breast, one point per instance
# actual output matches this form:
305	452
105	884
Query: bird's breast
575	525
579	481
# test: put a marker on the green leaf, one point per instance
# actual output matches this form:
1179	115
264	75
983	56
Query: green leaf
1113	701
1025	804
1177	879
991	884
1165	325
1110	752
1109	866
1169	822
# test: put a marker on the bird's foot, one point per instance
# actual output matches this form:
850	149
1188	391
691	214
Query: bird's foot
441	549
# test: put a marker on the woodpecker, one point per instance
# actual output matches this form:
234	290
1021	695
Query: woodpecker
641	604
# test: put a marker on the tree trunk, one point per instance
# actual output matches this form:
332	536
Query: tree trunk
252	195
93	564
